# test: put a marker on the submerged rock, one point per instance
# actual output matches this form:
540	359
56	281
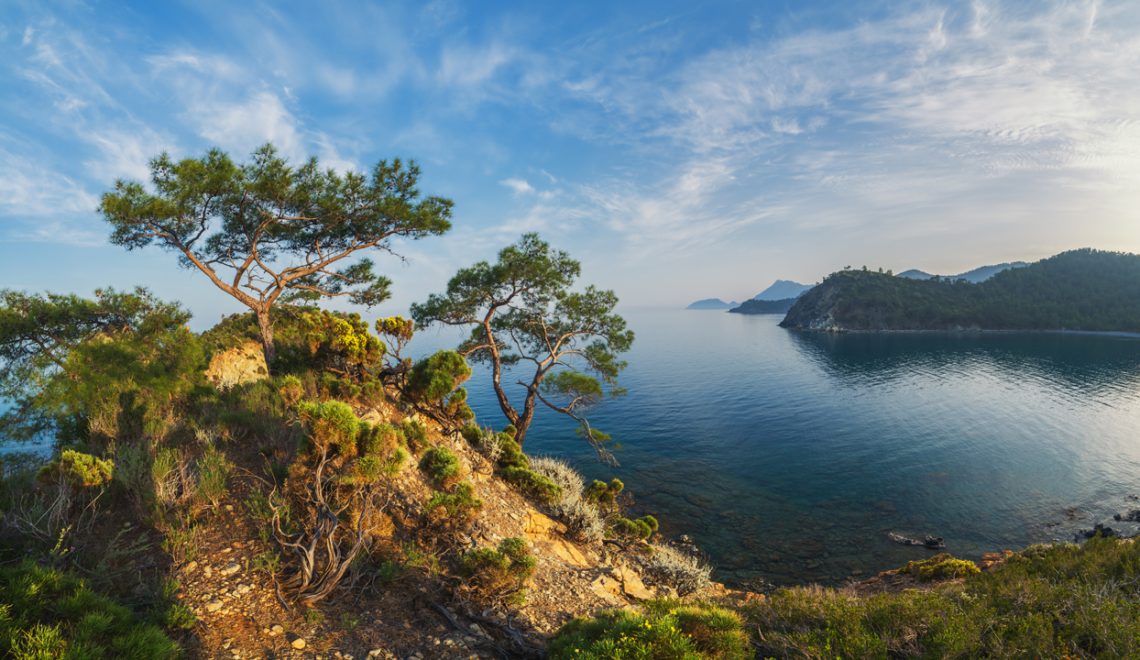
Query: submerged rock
1097	529
931	542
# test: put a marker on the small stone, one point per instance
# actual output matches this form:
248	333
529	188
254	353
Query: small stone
298	643
229	507
208	571
276	629
230	570
213	606
189	568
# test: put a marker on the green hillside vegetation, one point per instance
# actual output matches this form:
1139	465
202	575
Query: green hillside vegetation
1078	290
1062	601
755	306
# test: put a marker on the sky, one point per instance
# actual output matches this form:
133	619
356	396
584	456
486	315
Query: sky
679	150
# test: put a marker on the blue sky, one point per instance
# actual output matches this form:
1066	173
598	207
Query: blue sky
679	149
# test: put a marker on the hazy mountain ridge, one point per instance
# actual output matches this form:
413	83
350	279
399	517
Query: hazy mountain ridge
782	290
1077	290
711	303
976	275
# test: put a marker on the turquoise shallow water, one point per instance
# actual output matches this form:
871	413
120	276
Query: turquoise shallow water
789	456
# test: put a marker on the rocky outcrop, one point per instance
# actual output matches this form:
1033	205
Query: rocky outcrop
237	366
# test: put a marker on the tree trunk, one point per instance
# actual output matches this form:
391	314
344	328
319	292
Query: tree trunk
526	417
265	327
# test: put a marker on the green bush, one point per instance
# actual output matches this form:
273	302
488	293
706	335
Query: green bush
372	467
640	529
213	475
456	508
377	440
332	426
45	613
510	453
436	380
533	484
78	469
1050	602
666	629
291	389
415	433
941	566
441	465
604	495
498	573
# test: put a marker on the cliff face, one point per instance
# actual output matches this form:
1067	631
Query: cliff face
815	309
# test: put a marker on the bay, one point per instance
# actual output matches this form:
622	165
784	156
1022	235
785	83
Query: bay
789	456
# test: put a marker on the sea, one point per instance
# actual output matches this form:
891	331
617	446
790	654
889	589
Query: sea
789	457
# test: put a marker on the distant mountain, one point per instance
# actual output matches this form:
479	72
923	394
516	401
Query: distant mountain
916	274
764	306
984	273
1077	290
782	290
980	274
712	303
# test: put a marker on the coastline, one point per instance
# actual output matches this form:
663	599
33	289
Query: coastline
1120	334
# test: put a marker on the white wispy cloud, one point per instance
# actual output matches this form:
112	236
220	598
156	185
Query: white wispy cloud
518	186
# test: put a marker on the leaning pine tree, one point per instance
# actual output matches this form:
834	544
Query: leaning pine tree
265	231
522	312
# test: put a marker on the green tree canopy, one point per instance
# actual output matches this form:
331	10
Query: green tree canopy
266	230
522	311
70	363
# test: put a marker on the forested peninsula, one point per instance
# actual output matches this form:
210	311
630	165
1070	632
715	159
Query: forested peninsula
1079	290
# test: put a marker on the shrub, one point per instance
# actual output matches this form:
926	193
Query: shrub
45	613
456	508
533	484
436	380
291	390
683	572
441	465
498	573
941	566
332	426
640	529
213	474
371	468
415	433
581	518
78	470
509	453
666	629
340	343
605	495
377	440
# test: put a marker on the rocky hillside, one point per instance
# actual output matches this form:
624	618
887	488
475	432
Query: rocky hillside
415	602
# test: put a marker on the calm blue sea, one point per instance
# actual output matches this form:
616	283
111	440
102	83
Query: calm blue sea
789	456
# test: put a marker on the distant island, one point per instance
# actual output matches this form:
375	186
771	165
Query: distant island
755	306
780	291
1084	289
712	303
